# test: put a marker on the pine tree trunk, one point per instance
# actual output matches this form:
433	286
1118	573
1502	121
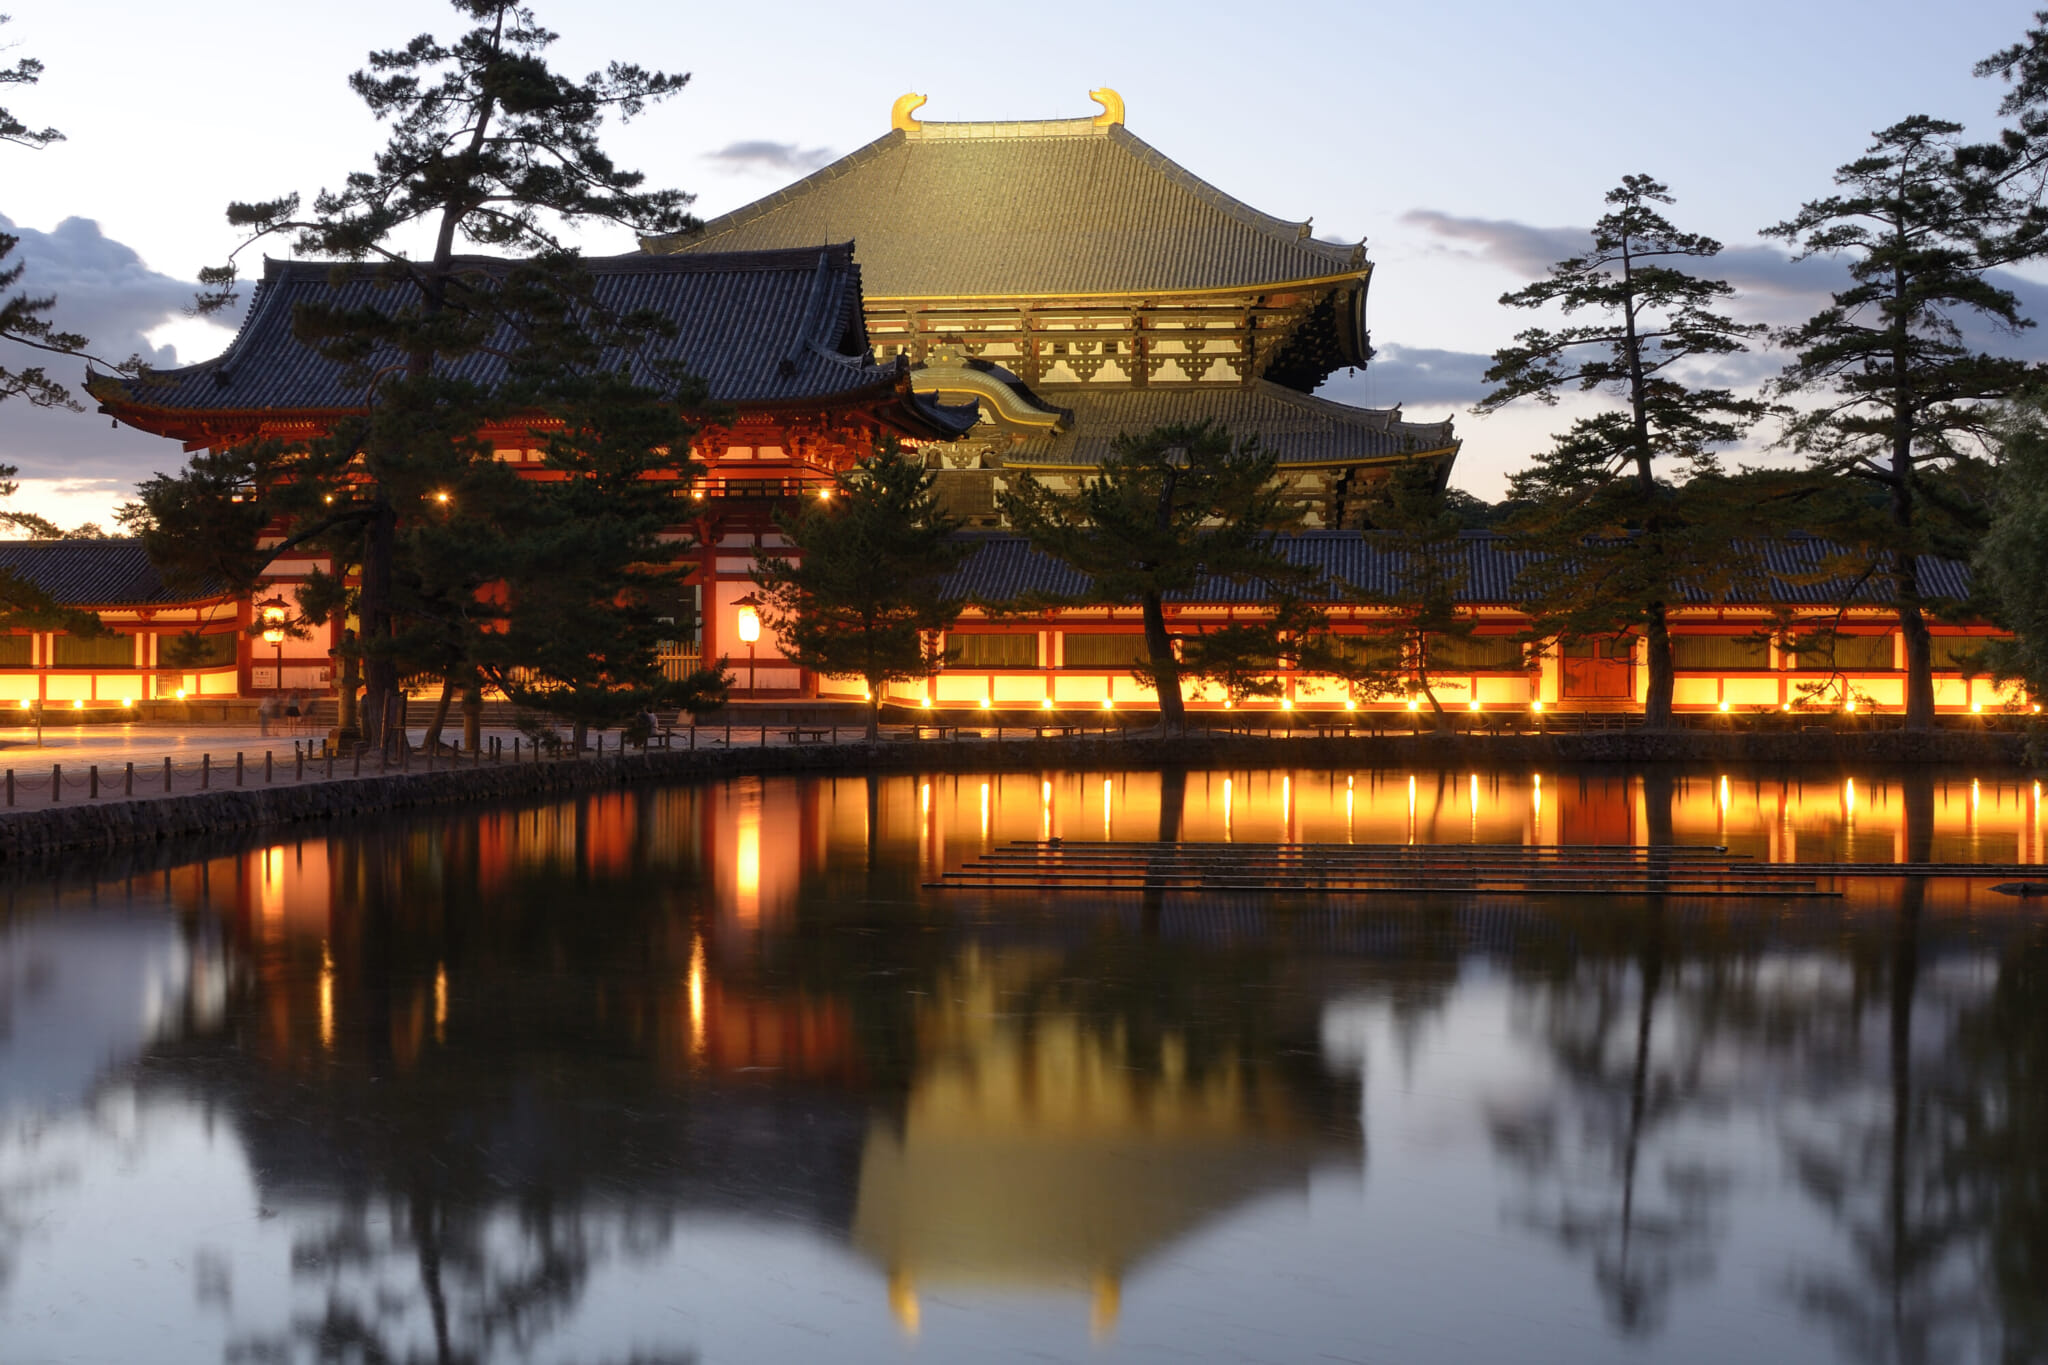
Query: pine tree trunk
472	718
874	711
1919	647
1165	668
432	741
1657	647
579	735
373	611
347	718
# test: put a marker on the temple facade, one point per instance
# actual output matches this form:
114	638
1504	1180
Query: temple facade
1024	293
1075	283
779	338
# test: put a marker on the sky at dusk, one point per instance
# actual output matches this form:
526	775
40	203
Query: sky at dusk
1469	143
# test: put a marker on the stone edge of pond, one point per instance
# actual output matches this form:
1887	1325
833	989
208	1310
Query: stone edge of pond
109	824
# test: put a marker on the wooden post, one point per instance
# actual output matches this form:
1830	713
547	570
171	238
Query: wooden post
298	764
167	774
239	772
10	786
330	764
128	781
515	749
56	781
92	782
205	771
269	771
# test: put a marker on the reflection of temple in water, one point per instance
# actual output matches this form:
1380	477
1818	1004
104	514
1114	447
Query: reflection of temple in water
1037	1149
961	1118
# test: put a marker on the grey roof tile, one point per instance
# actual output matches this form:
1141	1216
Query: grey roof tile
1005	566
1299	428
780	326
95	573
1057	207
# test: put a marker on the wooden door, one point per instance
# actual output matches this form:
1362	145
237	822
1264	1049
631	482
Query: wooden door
1600	669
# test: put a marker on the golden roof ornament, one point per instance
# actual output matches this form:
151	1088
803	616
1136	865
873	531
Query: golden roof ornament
1112	107
903	114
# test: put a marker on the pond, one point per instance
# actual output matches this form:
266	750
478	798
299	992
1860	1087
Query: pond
715	1073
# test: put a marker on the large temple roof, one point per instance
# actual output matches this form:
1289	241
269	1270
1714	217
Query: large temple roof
1061	207
766	327
1299	428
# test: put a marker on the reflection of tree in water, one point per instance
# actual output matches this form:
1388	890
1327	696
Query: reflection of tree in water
1873	1163
1995	1098
451	1203
457	1184
1603	1161
1910	1291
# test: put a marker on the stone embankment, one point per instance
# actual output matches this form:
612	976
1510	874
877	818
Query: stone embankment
117	823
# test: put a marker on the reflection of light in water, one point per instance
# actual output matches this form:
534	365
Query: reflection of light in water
440	1002
1350	822
1045	809
1106	1303
1287	809
1105	808
270	892
1848	798
697	997
984	812
326	996
1536	800
1475	808
903	1303
748	861
1411	810
1724	797
1226	808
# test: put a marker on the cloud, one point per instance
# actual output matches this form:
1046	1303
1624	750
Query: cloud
770	158
1412	375
106	291
1771	286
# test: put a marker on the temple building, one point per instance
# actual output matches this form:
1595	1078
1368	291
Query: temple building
1077	284
1006	299
778	337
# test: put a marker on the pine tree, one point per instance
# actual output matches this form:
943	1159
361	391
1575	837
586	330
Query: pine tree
1414	524
24	318
866	594
590	588
1892	394
1617	542
24	321
489	147
2011	561
1169	510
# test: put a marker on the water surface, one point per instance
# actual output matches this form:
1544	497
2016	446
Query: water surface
709	1073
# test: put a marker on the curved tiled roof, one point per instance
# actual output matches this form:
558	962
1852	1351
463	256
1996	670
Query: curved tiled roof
95	573
1299	428
1062	207
764	327
1006	566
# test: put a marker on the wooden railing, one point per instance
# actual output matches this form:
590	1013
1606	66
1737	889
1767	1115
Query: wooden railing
680	661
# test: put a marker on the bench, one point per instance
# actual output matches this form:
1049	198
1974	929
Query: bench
806	734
